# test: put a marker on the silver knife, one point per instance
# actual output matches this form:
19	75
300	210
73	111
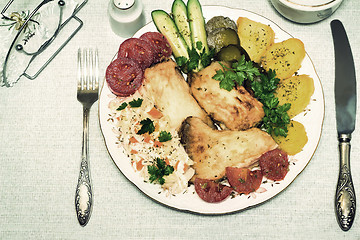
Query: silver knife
345	100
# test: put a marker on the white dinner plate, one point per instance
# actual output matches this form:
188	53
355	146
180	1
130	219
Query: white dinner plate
312	119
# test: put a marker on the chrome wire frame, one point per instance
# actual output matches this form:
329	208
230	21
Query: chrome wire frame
47	43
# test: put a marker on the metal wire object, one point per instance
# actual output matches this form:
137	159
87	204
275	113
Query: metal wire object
34	54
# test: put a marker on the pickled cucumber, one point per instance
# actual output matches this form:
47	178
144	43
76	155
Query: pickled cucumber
219	22
231	53
222	37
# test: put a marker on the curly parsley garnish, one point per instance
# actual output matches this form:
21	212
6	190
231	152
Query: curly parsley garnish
158	170
147	125
198	58
164	136
276	118
237	74
122	106
136	103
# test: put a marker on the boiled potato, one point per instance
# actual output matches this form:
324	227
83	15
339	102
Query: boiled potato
284	57
295	140
297	91
255	37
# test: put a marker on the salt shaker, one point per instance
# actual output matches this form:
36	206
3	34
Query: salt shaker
126	17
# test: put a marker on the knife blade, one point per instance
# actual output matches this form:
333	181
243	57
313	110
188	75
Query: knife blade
345	104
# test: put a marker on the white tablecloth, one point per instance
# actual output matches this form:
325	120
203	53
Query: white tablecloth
40	147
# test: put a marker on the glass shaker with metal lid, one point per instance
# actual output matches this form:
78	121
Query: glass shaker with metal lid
126	17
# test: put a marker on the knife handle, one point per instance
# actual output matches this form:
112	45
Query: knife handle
345	200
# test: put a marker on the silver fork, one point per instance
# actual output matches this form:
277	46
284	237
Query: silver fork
87	94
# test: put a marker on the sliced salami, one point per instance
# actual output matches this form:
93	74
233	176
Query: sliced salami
138	50
124	76
159	43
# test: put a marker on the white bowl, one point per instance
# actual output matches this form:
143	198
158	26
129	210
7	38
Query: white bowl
306	11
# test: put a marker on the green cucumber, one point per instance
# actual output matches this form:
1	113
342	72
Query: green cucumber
167	27
197	24
179	13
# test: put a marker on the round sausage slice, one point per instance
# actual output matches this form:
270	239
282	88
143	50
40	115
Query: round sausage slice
159	43
138	50
124	76
274	164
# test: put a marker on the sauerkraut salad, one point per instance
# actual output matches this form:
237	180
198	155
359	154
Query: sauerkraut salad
145	137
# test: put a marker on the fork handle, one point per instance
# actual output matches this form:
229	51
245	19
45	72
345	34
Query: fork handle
83	195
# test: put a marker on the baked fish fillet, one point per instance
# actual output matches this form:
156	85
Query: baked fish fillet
166	86
237	109
214	150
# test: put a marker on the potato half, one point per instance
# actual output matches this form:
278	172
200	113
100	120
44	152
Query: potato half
297	91
295	140
284	57
255	37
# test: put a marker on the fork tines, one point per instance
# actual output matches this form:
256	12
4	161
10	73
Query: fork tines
88	69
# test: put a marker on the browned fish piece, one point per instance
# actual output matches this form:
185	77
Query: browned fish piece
214	150
237	109
167	88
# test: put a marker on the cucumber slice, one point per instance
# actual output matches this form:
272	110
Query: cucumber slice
167	27
197	24
179	13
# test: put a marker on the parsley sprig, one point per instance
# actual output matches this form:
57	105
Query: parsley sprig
134	104
164	136
158	170
122	106
276	118
198	59
236	74
147	125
